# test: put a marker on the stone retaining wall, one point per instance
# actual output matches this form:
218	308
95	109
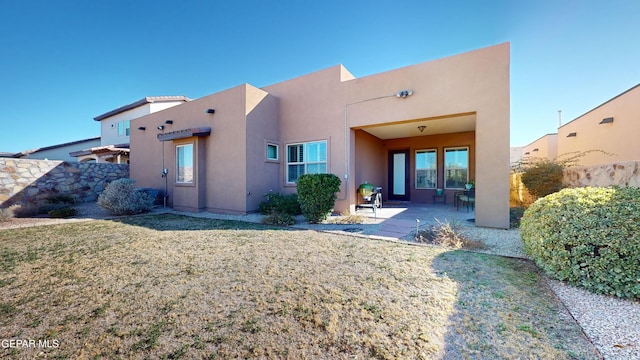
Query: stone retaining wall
27	181
625	174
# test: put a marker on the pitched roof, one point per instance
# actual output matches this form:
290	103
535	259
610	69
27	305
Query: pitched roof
143	101
76	142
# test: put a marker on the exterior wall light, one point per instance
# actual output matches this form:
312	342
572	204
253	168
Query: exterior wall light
160	127
404	93
608	120
142	128
536	149
421	128
168	122
210	111
572	134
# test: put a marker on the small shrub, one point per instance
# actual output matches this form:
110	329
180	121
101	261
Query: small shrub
25	210
61	199
279	219
515	215
446	234
589	237
64	212
317	195
44	209
120	198
280	203
6	214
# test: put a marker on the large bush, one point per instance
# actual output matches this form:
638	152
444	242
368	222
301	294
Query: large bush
543	177
589	237
121	198
317	195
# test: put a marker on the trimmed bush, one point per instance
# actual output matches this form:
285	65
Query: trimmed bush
64	212
120	198
589	237
61	199
280	203
317	195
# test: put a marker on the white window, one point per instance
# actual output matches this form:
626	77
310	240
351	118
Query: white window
184	164
426	169
272	152
306	158
124	128
456	167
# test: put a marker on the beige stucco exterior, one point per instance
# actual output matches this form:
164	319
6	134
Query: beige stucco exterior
545	147
612	127
463	102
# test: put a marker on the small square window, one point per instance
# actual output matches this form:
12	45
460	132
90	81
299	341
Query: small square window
272	152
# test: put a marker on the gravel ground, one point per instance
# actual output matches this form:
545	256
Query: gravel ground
612	324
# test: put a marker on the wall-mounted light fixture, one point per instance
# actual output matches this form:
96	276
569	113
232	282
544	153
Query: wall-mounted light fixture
404	93
210	111
527	153
160	127
608	120
168	122
421	128
142	128
536	149
572	134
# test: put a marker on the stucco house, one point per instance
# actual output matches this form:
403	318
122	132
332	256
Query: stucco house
544	147
115	128
612	127
411	130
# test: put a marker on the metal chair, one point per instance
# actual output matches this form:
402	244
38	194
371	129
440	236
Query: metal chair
468	197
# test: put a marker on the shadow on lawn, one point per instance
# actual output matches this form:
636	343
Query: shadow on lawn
505	309
172	222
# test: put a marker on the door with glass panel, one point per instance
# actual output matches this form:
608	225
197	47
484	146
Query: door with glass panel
399	175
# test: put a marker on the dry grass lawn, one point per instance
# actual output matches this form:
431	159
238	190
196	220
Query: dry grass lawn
167	286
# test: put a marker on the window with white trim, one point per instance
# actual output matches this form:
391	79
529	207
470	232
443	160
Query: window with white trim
124	128
426	169
184	164
456	167
306	158
272	152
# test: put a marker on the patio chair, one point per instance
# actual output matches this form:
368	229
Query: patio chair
468	197
371	195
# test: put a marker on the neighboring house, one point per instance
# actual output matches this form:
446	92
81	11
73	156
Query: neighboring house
411	130
516	154
115	128
56	152
545	147
612	127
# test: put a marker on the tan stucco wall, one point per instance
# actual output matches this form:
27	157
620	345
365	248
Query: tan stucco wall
545	147
313	107
619	138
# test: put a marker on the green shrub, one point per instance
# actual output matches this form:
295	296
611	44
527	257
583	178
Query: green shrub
61	199
120	198
64	212
543	177
280	203
589	237
279	219
317	195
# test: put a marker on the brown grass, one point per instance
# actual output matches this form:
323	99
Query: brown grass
169	287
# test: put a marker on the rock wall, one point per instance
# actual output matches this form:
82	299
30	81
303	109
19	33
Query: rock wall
625	174
28	181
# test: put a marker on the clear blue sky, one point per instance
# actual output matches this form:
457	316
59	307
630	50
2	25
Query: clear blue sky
65	62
